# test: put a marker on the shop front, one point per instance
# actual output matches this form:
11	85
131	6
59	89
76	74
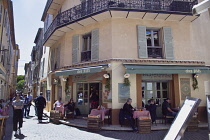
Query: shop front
84	83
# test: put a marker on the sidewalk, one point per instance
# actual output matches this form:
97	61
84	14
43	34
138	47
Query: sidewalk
82	123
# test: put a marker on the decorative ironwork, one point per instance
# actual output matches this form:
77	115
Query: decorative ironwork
155	52
92	7
86	56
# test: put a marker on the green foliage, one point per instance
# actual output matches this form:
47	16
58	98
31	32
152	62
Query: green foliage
20	77
20	85
108	85
127	82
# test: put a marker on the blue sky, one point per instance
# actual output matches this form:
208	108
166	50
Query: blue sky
27	18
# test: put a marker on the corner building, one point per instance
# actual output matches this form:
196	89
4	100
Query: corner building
156	43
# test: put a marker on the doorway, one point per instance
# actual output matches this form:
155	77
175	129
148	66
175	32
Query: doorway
157	90
83	92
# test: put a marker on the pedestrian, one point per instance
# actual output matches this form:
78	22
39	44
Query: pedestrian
17	115
25	107
40	105
29	103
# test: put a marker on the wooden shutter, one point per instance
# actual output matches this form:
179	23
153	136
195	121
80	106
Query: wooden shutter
43	65
95	45
75	49
168	43
52	60
142	41
58	50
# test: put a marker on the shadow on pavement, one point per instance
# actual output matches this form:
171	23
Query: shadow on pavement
20	137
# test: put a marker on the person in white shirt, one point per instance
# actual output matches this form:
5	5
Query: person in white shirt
29	102
58	103
17	114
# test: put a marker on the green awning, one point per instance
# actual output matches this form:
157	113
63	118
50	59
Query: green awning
76	71
165	69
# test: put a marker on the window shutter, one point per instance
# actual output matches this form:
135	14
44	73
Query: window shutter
75	49
58	56
52	60
95	45
43	67
142	41
168	43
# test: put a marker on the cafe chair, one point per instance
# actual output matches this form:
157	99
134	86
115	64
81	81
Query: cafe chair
108	117
166	118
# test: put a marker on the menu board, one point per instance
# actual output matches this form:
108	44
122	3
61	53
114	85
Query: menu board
182	119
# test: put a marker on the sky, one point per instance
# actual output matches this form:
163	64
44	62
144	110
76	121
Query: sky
27	20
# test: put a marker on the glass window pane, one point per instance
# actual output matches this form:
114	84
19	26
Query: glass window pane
149	86
80	97
143	89
149	94
165	94
79	86
156	38
86	86
149	38
158	86
158	94
164	85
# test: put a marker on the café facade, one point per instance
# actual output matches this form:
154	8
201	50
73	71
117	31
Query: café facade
159	80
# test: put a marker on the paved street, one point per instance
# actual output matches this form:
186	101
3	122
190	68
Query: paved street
47	131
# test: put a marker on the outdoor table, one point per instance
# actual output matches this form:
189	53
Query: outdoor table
137	114
60	109
101	112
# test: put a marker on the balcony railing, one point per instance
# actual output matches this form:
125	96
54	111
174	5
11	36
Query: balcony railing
155	52
93	7
86	56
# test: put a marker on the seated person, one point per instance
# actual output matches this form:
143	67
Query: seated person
152	109
128	112
69	107
166	108
58	103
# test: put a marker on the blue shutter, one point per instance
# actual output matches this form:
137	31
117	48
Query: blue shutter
75	49
168	43
95	45
142	41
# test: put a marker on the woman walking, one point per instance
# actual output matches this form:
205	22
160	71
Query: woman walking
17	115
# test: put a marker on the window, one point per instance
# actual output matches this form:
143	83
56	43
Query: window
86	47
154	48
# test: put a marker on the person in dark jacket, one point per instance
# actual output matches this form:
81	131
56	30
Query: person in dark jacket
152	109
40	105
128	112
69	107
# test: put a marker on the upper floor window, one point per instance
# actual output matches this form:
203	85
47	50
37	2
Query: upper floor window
86	47
153	43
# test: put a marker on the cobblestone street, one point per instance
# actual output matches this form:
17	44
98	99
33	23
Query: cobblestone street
48	131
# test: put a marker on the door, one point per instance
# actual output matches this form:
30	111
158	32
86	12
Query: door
157	90
83	92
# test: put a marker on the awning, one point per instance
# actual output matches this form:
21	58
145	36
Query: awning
83	70
165	69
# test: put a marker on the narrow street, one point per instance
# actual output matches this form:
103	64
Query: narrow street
32	130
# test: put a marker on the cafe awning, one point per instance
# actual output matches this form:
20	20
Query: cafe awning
165	69
82	70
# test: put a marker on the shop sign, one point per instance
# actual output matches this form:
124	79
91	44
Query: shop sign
157	77
193	71
83	71
88	77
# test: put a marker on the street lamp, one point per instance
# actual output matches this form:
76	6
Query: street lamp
201	7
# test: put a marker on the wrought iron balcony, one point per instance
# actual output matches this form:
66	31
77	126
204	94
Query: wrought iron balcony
155	52
86	56
92	7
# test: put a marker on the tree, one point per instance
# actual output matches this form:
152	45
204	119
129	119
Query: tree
20	77
20	85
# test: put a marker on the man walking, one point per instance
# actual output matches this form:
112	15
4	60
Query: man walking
40	105
29	103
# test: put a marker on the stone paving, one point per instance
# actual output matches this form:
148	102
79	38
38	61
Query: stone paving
32	130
